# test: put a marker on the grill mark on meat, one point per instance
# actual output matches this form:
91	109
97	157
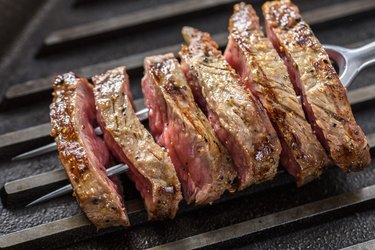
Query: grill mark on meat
266	76
201	162
239	121
150	167
83	154
323	96
217	70
338	118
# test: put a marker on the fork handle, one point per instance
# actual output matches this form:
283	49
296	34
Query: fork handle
352	61
365	55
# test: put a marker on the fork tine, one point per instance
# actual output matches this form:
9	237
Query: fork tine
141	114
35	152
115	170
54	194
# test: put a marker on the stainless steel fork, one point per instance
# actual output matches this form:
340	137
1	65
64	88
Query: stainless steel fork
351	61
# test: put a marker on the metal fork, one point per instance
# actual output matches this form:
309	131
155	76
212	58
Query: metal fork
142	116
115	170
349	61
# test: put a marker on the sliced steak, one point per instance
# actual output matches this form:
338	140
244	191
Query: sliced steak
83	154
266	76
150	167
324	97
202	163
238	119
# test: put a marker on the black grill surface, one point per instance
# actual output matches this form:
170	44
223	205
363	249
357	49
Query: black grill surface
28	60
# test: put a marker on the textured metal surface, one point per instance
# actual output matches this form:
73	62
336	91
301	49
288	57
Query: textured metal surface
24	10
318	16
27	237
332	232
136	19
34	237
303	212
367	245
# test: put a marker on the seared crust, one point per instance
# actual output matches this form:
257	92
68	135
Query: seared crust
150	166
324	97
202	163
265	74
73	121
239	121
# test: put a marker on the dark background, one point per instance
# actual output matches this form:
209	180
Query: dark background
24	25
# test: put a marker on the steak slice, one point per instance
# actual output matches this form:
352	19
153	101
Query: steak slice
201	162
266	76
314	78
83	154
150	167
238	119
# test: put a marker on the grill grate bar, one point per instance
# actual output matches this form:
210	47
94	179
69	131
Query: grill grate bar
34	237
337	11
130	20
37	236
58	227
20	192
367	245
32	88
293	215
133	63
362	97
32	182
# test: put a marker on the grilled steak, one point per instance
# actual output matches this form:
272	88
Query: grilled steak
202	163
150	167
83	154
266	76
324	98
239	120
